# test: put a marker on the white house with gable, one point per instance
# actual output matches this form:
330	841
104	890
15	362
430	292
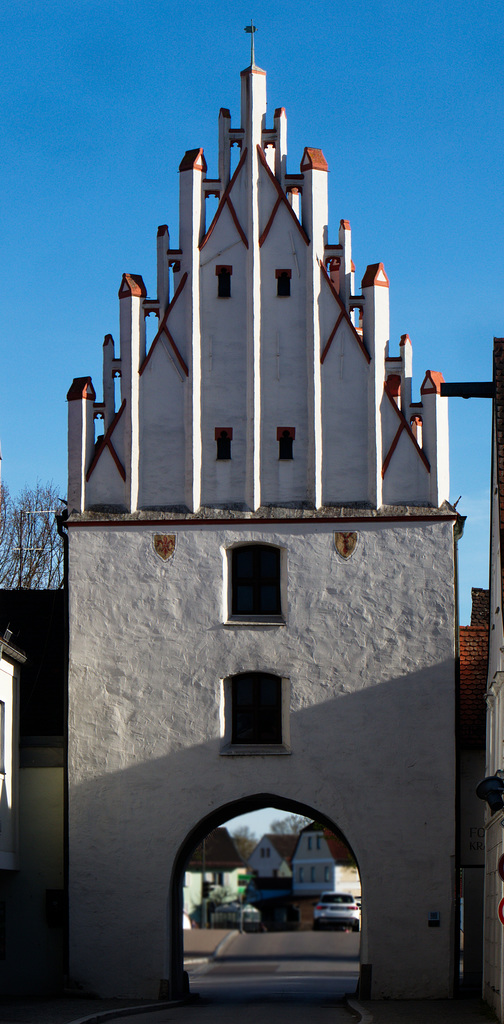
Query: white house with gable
261	577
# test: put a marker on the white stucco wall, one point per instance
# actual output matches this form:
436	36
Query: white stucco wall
368	651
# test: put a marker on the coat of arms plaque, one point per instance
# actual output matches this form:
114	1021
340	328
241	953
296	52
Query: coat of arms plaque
345	543
164	545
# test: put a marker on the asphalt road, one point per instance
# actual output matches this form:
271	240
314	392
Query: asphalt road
316	969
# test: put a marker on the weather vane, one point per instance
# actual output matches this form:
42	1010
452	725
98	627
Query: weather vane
251	28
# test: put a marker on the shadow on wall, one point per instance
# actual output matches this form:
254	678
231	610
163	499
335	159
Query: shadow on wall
376	765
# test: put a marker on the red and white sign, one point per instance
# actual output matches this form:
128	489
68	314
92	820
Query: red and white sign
501	911
500	867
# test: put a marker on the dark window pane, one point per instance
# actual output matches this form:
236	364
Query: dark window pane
268	693
224	446
268	561
268	726
244	561
244	690
256	708
256	580
269	600
244	727
244	599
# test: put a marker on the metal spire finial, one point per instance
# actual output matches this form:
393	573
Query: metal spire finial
251	28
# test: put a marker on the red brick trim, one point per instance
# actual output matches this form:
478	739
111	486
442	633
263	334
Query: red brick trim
282	197
280	273
273	213
406	520
335	295
223	202
218	431
331	336
164	330
403	425
281	432
107	443
237	222
223	266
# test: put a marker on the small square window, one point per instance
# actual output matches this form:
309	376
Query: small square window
283	280
224	281
285	438
223	437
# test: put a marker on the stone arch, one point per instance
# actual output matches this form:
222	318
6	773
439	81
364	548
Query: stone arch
176	985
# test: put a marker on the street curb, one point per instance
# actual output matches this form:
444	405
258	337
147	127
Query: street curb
127	1011
365	1017
223	943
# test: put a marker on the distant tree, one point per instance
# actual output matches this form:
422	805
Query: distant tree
244	840
291	825
31	550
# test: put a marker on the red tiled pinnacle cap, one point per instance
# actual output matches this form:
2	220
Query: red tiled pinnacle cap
432	383
405	340
193	160
313	160
82	387
132	284
375	275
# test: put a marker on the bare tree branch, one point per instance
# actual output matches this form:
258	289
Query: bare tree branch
31	550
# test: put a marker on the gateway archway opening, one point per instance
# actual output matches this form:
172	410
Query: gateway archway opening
270	904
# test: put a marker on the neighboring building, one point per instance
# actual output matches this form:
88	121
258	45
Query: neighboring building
272	856
493	970
261	579
473	676
32	896
217	862
323	862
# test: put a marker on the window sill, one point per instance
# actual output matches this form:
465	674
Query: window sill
255	749
255	620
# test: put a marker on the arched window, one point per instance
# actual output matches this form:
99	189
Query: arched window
285	438
224	281
223	436
257	708
283	279
256	580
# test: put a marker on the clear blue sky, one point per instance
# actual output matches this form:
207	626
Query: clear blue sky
100	100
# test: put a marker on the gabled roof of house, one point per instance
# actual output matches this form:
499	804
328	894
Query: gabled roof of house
337	848
473	673
220	853
284	844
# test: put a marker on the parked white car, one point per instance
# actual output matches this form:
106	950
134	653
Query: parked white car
336	910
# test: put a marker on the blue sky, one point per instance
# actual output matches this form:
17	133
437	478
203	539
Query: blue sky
100	100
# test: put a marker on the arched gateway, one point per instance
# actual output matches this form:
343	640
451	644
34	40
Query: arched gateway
261	576
174	958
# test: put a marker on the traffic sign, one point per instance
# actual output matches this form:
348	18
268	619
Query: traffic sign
501	911
244	879
500	867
